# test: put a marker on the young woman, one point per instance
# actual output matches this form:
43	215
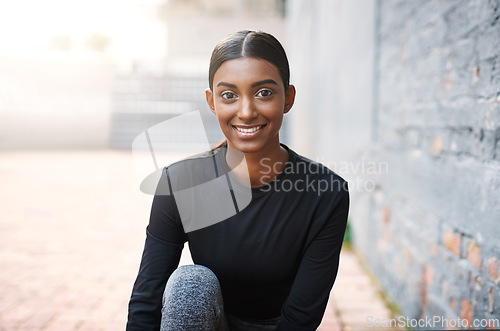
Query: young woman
269	263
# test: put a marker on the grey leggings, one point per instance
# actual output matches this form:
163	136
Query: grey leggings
193	301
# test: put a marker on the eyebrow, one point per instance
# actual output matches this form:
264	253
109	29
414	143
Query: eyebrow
260	82
226	84
265	81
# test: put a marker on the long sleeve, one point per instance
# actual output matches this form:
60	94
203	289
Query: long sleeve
306	303
165	239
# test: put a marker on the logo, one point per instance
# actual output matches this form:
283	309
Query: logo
174	158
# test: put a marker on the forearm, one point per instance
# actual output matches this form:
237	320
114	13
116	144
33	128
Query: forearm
159	260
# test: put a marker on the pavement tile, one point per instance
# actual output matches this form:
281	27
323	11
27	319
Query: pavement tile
39	319
355	297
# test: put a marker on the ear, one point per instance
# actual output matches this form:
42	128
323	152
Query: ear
289	98
210	99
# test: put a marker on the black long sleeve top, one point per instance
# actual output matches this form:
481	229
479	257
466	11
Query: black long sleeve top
276	256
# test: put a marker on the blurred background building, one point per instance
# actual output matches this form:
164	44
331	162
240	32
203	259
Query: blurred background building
401	98
142	98
58	61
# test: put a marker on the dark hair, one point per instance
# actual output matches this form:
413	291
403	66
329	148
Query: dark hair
249	43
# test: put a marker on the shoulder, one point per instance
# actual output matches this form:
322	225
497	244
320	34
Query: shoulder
195	161
196	169
185	173
209	162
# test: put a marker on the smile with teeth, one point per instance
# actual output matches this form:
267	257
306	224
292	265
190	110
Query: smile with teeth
248	130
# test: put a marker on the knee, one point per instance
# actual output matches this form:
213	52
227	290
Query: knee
195	272
191	281
192	276
192	300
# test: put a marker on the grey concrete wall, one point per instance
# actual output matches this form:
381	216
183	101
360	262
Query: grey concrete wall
435	217
417	120
331	59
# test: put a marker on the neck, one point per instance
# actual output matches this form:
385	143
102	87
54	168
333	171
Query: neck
262	166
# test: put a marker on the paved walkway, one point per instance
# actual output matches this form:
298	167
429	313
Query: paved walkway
72	227
355	303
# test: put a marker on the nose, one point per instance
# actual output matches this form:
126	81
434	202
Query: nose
247	110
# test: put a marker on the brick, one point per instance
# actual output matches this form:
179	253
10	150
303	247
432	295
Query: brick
386	215
428	275
488	83
474	254
425	284
492	269
488	42
408	255
382	245
453	304
428	66
432	36
458	83
462	55
444	289
411	137
466	311
452	241
491	118
472	142
433	249
476	74
461	20
458	111
405	10
437	145
488	12
433	193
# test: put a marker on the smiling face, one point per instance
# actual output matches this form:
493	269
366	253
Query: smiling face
249	100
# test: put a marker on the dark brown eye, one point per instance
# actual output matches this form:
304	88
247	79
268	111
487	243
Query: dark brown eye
264	93
228	95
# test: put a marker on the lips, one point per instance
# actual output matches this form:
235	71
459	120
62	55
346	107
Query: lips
248	129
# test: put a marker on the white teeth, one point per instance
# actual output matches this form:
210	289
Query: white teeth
255	128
